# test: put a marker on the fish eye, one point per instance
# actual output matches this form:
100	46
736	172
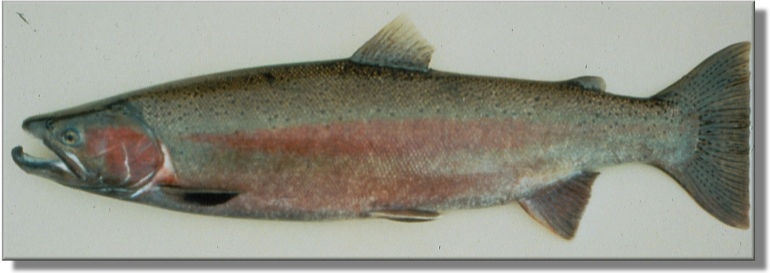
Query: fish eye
70	137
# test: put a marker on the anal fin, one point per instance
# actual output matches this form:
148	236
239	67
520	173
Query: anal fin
559	205
406	215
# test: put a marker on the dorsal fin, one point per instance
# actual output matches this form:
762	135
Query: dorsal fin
560	205
592	83
397	45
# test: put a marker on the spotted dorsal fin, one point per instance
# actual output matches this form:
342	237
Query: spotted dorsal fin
591	83
397	45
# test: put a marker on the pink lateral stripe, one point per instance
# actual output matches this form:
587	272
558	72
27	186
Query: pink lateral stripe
382	137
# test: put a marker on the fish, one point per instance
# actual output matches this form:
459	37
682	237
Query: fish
382	135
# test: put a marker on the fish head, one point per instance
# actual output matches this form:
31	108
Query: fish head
106	150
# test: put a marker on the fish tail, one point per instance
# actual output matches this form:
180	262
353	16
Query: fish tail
716	173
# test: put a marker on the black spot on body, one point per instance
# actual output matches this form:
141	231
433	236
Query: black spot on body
269	78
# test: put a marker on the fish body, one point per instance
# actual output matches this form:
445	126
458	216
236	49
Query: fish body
382	135
431	141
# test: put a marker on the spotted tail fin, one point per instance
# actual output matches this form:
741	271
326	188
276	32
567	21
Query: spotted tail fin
716	173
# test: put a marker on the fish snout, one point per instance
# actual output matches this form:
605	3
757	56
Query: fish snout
62	169
37	126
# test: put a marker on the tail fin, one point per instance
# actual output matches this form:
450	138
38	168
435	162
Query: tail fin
717	173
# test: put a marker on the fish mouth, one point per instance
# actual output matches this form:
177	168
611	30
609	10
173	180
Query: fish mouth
56	169
65	169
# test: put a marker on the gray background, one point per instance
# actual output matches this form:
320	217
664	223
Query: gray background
70	54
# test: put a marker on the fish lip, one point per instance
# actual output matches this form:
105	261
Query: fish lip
55	169
61	171
28	162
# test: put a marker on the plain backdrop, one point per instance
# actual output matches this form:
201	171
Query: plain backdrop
67	54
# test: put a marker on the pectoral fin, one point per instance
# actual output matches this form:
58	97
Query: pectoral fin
560	205
202	197
406	215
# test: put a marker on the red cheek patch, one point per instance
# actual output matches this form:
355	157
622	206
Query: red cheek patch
124	155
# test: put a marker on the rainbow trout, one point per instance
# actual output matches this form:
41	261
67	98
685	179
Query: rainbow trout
382	135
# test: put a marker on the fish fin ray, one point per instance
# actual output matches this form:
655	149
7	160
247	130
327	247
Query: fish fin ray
716	173
590	83
397	45
412	215
202	197
560	205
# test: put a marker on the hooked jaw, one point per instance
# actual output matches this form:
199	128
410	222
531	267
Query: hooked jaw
64	169
49	168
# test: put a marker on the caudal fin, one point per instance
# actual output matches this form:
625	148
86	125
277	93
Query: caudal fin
716	174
